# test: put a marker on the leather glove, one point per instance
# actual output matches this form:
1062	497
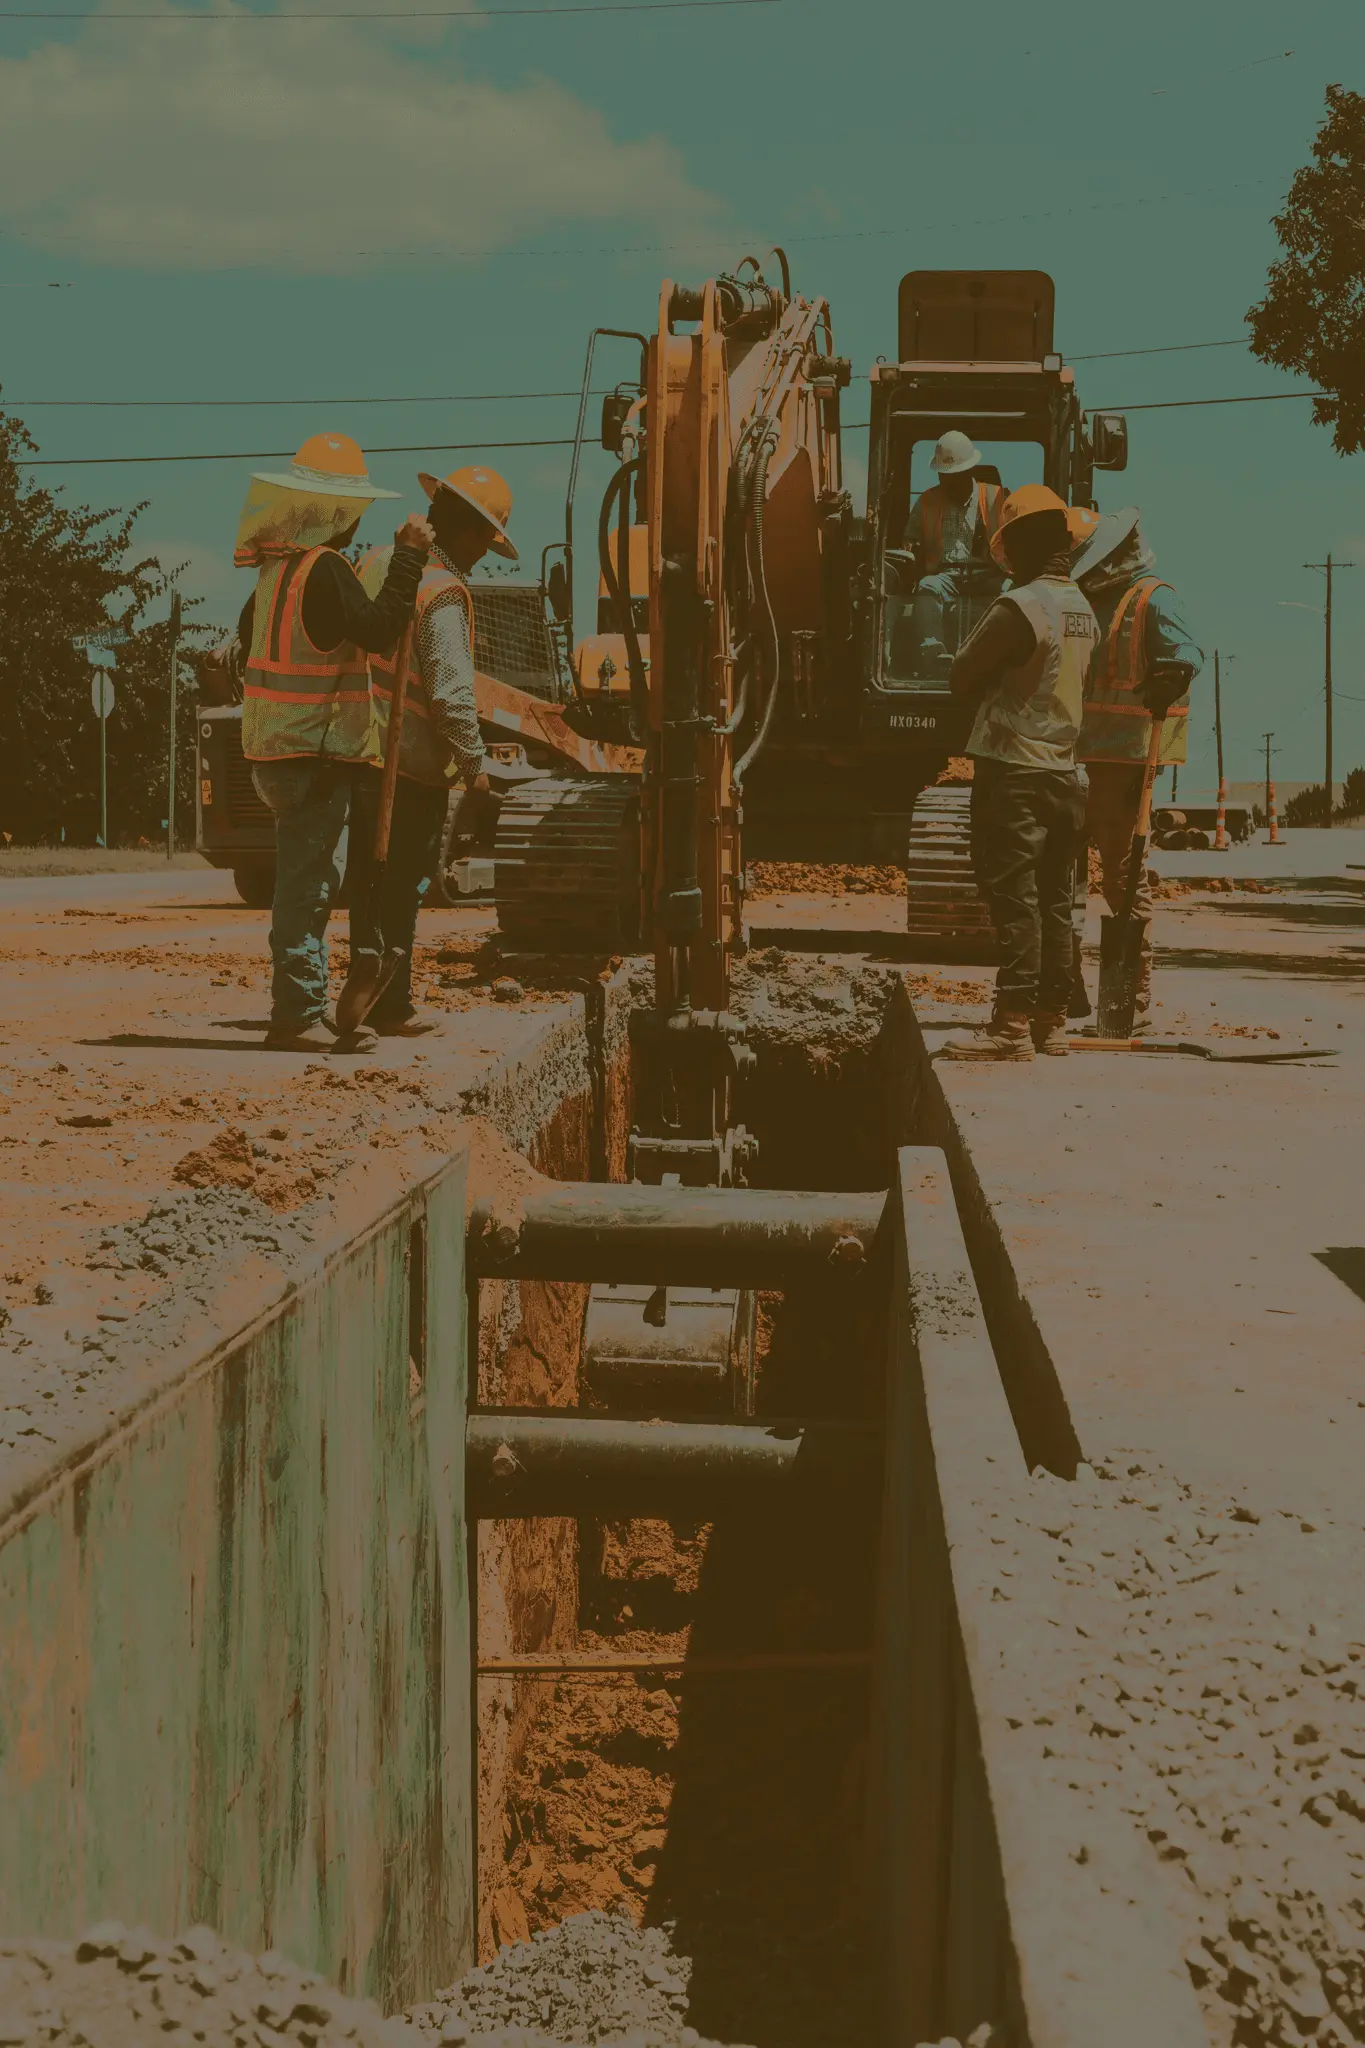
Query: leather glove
1162	687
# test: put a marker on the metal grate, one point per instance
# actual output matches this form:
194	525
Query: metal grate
512	638
245	809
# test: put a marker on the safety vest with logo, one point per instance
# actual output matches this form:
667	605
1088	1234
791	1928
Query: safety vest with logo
933	507
1118	725
300	699
1032	716
423	755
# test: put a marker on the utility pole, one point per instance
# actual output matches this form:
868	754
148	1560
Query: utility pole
170	791
1328	566
1220	837
1271	820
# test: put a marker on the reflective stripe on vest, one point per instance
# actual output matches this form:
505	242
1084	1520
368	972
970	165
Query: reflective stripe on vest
300	699
1117	722
422	755
989	499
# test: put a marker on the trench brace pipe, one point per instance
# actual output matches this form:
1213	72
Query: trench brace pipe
666	1237
522	1465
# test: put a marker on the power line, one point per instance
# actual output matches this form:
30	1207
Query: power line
429	254
1173	348
446	398
383	14
562	441
287	454
1166	404
493	397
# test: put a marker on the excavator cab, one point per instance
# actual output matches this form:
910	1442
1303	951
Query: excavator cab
975	354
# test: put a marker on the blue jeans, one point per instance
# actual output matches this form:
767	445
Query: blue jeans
310	800
419	815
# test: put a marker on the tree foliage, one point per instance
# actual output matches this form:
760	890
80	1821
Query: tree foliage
65	570
1312	318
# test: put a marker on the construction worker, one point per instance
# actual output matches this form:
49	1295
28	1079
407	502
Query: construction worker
440	744
308	715
949	531
1024	670
1144	664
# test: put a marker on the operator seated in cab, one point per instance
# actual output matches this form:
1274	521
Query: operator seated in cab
949	532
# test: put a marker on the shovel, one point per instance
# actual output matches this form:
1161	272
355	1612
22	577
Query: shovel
372	971
1121	937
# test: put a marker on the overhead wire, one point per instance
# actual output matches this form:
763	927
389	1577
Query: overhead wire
374	13
496	397
559	441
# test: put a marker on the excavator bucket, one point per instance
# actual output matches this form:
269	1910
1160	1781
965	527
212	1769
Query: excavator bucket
975	316
671	1349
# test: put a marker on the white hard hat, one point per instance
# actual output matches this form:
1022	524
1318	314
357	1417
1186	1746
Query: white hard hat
954	453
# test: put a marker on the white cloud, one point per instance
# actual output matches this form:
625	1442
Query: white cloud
308	148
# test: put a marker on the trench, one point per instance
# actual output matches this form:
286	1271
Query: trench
722	1795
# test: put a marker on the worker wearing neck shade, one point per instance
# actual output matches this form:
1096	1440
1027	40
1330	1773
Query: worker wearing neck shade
1144	662
440	746
1023	671
308	714
949	531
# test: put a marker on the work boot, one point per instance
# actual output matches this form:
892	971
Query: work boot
415	1026
314	1036
1006	1037
1049	1033
363	1039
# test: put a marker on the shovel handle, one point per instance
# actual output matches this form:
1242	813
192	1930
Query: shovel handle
1137	853
392	743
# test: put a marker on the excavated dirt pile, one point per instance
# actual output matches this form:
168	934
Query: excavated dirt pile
597	1979
1212	1691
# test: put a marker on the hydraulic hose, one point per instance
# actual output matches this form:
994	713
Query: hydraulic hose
624	606
755	496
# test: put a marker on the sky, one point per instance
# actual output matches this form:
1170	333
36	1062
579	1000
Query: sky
330	211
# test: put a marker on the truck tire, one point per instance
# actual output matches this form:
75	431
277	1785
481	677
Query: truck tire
255	884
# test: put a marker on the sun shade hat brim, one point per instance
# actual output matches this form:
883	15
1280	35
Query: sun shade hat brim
1113	530
500	544
296	478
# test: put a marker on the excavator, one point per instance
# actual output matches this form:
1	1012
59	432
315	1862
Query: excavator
823	719
756	646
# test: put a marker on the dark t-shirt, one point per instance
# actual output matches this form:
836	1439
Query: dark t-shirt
336	606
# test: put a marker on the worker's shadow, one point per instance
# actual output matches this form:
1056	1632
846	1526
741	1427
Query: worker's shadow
156	1041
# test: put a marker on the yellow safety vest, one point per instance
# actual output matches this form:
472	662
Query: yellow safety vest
422	756
1117	724
299	699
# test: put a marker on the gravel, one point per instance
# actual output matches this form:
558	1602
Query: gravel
594	1978
202	1223
1211	1688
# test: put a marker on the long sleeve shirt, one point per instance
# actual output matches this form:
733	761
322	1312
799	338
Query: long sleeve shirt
337	608
445	664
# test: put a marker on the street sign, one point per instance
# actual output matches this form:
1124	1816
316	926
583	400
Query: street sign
102	693
99	647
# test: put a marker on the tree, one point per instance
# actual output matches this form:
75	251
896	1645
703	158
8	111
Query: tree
1312	318
64	571
1353	795
1306	806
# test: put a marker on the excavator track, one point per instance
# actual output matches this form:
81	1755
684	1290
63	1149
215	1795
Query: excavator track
566	864
944	903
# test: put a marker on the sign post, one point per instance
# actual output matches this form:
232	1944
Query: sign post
100	653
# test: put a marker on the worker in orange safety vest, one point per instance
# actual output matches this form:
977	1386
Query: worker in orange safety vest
950	530
308	715
440	746
1144	663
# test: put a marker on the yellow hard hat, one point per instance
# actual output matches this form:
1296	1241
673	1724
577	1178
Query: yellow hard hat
489	494
332	463
1025	503
1081	522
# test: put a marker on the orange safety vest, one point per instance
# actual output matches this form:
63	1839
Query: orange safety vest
299	699
422	756
1117	724
989	499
